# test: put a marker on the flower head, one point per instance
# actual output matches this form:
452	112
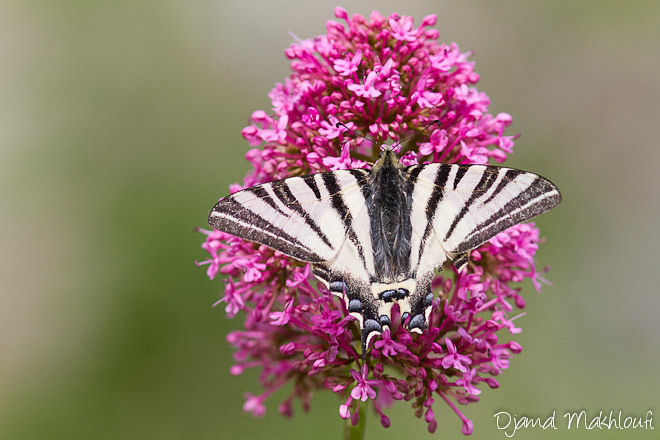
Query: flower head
387	78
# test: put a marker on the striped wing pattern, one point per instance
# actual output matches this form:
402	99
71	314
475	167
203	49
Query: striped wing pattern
457	208
326	219
313	218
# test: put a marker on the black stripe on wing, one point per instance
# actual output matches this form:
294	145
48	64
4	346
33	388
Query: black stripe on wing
338	203
432	204
539	197
283	192
536	198
509	175
238	220
488	177
286	214
311	183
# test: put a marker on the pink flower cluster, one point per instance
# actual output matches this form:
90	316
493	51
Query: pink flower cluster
388	79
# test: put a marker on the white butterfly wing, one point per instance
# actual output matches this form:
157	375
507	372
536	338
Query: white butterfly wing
460	207
307	217
318	218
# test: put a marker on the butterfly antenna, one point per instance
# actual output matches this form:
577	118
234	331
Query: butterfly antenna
394	147
341	124
414	135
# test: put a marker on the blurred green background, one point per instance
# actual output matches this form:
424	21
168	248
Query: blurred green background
120	126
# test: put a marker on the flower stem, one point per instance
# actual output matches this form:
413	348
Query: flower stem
356	432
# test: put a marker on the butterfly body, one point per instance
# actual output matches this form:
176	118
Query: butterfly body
389	197
376	237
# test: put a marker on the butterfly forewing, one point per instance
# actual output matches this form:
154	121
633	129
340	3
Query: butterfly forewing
294	216
467	205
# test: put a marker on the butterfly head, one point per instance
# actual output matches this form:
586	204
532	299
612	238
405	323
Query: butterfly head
388	158
394	147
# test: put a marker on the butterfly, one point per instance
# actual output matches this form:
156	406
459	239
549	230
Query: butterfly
375	237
